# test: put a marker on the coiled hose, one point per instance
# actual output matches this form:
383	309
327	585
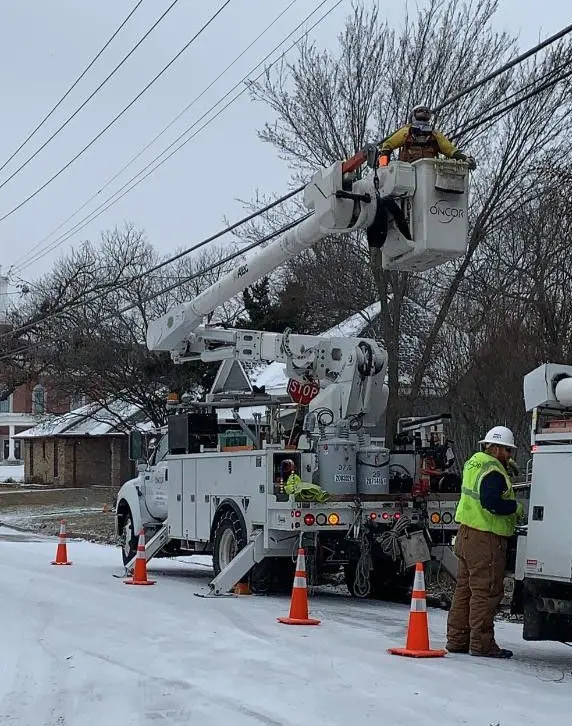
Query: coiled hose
389	541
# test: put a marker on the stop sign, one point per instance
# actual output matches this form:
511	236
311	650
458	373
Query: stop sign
302	392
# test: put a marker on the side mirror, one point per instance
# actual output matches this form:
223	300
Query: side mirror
135	446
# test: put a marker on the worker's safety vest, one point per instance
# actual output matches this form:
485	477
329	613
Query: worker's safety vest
469	510
413	149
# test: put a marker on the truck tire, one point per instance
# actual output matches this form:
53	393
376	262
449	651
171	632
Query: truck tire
229	539
128	538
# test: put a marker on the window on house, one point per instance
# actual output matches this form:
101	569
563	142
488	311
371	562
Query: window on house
5	405
44	449
56	458
38	400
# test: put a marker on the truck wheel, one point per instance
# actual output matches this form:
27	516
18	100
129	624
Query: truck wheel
128	538
229	539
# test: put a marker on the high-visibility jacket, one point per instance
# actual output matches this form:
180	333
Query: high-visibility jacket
304	491
470	511
412	149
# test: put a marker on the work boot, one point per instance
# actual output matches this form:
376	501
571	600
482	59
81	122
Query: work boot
457	649
495	653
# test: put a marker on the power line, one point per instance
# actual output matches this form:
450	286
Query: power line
118	116
531	84
74	84
505	67
174	120
242	251
162	264
163	291
88	99
110	201
505	109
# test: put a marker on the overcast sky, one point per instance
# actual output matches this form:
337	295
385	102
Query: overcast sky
46	43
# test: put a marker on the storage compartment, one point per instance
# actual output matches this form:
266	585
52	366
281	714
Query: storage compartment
188	432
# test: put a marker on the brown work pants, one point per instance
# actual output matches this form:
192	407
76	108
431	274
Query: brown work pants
479	591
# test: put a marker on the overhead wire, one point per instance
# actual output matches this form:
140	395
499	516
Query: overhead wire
73	85
117	117
163	263
219	262
109	76
180	281
157	162
156	137
110	202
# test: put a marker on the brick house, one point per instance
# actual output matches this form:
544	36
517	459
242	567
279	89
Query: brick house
82	448
28	403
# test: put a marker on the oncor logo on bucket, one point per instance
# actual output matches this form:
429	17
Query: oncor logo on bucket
444	213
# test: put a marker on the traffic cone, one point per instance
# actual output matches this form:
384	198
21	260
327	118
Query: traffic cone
140	571
417	645
62	550
299	602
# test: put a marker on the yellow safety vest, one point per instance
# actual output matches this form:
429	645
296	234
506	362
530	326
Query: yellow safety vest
469	510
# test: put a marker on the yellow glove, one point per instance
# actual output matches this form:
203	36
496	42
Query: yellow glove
520	512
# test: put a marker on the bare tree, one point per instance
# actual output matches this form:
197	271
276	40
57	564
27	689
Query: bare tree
85	321
327	105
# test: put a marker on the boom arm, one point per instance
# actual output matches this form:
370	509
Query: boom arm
336	211
355	365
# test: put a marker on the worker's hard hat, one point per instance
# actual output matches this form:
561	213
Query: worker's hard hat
288	464
420	118
499	435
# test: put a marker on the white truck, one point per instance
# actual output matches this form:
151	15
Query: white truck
195	498
543	572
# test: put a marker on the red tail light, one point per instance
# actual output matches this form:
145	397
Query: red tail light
309	520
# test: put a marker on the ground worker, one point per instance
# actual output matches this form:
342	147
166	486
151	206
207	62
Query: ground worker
293	484
419	140
487	513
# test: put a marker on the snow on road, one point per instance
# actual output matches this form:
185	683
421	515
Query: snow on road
80	648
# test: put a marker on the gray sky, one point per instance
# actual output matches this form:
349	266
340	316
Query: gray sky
45	45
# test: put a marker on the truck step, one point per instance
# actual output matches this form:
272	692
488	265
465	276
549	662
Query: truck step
237	568
154	545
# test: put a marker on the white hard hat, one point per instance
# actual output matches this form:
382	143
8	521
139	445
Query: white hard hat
499	435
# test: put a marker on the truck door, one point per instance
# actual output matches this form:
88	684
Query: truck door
157	481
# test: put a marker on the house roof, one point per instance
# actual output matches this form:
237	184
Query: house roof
90	420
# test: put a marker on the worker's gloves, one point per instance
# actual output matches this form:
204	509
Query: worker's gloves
459	156
512	468
520	513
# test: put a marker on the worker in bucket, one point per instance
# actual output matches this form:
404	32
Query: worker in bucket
293	484
487	513
420	140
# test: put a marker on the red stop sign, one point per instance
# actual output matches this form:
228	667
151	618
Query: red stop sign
302	392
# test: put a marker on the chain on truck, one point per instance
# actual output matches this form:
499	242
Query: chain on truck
386	508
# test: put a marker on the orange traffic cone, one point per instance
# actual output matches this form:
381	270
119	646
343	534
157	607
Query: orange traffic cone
62	550
417	645
299	602
140	571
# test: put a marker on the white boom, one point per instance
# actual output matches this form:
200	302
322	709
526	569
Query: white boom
432	196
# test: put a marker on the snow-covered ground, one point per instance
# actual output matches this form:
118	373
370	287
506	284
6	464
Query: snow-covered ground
15	472
80	648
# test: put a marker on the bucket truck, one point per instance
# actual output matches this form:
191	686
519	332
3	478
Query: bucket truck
543	571
195	498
